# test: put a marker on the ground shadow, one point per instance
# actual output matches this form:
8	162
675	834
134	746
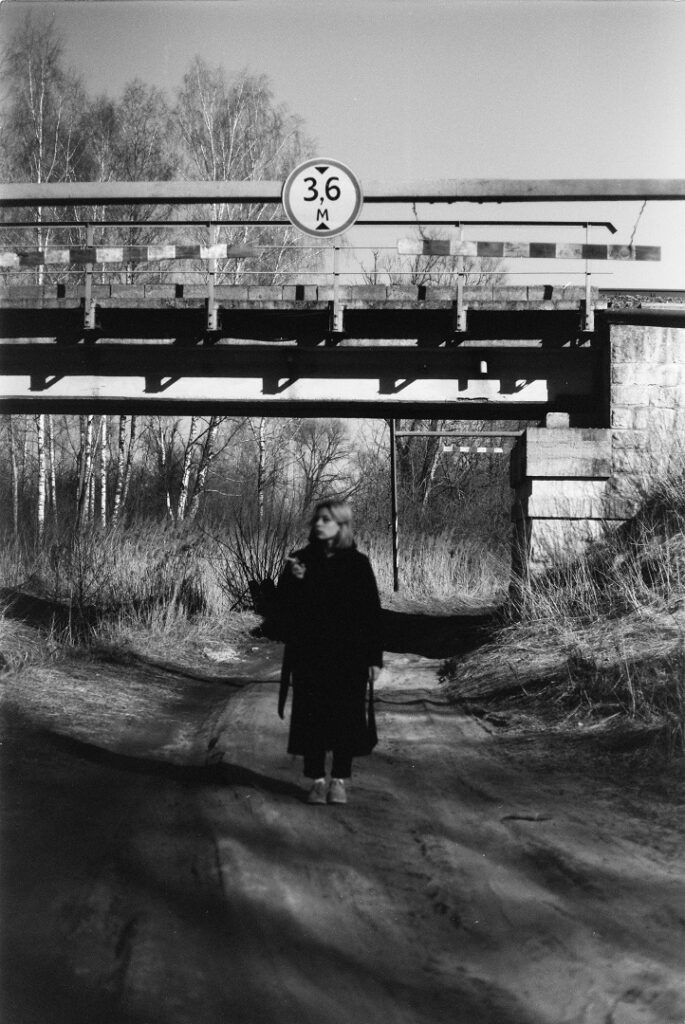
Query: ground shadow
219	773
436	636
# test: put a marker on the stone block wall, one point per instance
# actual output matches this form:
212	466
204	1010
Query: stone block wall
570	483
647	406
559	475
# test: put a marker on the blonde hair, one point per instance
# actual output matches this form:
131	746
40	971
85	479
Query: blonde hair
342	513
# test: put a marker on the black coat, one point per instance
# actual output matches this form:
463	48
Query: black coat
330	622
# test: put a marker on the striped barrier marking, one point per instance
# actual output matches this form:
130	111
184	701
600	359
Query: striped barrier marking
81	255
14	259
449	449
527	250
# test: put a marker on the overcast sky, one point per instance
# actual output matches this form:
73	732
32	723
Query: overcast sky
417	89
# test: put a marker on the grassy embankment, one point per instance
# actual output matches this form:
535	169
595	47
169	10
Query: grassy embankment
598	642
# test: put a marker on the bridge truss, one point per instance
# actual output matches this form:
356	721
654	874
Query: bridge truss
306	347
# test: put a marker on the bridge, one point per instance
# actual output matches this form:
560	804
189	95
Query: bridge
601	371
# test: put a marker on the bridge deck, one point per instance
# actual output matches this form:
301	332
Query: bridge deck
524	352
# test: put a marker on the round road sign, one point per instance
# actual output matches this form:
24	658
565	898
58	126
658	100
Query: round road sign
322	197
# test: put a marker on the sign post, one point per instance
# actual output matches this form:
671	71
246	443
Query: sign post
322	197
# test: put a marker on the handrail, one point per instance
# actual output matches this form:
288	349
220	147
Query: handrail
446	190
261	222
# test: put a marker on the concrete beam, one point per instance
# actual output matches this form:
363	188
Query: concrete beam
512	369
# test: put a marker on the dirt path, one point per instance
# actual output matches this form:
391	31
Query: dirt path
471	879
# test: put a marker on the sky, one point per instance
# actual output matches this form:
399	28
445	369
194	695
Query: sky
426	89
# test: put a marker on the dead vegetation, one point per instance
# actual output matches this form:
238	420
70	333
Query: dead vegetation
598	641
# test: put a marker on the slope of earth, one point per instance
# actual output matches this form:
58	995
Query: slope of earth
161	865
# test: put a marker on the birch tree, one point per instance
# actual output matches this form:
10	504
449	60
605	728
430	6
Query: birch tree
42	125
125	446
52	466
230	129
208	452
42	475
188	454
130	140
85	468
104	462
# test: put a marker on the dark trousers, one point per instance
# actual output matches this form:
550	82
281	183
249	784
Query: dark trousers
315	765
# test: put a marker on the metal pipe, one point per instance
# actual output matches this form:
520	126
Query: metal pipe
459	433
445	190
246	221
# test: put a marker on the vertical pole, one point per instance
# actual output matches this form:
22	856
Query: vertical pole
336	318
212	318
589	324
88	304
393	509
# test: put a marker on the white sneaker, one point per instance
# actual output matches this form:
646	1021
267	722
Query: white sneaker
317	794
336	792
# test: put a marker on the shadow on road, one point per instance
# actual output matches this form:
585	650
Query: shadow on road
221	773
436	636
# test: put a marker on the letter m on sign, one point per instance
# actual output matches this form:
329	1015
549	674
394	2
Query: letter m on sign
322	214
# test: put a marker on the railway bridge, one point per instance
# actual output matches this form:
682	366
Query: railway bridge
600	372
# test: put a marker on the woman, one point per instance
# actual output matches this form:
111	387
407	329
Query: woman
330	622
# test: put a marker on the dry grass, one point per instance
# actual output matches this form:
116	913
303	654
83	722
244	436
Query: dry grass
177	592
604	634
442	567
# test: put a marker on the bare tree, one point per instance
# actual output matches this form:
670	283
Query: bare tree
130	140
85	468
14	475
321	451
52	466
104	462
208	452
231	129
433	270
42	127
124	463
188	454
42	475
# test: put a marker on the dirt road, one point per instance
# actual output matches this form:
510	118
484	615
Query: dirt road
472	879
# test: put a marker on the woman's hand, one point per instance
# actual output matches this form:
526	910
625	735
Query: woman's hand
297	568
374	673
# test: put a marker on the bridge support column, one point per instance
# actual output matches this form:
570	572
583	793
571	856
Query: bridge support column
559	475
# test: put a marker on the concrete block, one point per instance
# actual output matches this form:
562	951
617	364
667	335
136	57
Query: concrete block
644	374
365	292
550	540
404	293
571	453
630	440
508	294
622	419
666	396
231	292
486	293
300	292
567	499
629	461
630	395
643	418
647	344
556	420
264	293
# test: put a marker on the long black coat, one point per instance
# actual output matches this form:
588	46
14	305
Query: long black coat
330	622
